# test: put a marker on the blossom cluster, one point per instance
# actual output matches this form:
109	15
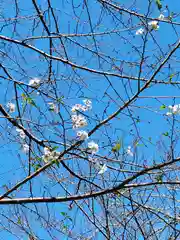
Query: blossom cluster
50	155
22	135
35	82
79	121
11	107
152	25
173	110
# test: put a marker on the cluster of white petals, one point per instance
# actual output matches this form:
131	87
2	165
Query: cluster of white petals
50	155
77	107
11	107
152	25
83	108
87	103
34	82
93	147
82	135
173	110
78	121
21	133
129	152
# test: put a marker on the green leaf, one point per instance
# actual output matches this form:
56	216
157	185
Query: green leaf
139	144
138	120
36	166
162	107
159	4
117	147
56	162
64	214
166	134
170	77
19	220
159	178
60	100
29	100
171	16
55	148
39	159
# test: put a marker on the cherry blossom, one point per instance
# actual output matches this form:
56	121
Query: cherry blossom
11	107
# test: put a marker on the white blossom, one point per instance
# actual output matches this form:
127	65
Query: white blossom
50	155
25	148
84	108
169	114
140	31
11	107
93	147
154	25
161	17
103	169
129	152
34	82
53	107
21	133
88	103
173	110
76	107
47	151
74	117
82	135
78	121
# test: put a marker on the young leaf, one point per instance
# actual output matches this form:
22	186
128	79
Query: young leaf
170	77
63	213
19	220
55	148
166	134
159	178
56	162
159	4
117	147
162	107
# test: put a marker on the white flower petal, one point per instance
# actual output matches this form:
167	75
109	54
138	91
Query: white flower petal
34	82
103	169
154	25
161	17
47	151
83	135
11	107
78	121
25	148
21	133
140	31
129	152
93	147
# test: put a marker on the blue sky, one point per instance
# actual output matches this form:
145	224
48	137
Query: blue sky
74	85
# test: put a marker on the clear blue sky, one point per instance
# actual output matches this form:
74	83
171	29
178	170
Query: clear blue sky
152	123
